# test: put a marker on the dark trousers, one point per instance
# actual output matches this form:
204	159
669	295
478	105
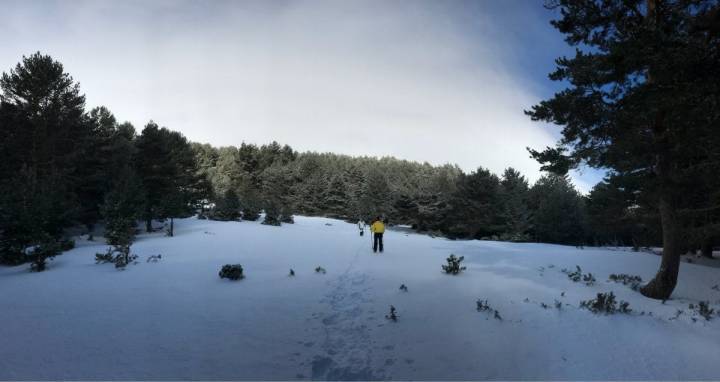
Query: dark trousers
377	241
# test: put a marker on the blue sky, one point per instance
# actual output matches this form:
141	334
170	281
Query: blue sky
436	81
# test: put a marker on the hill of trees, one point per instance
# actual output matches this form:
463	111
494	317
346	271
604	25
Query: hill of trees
65	166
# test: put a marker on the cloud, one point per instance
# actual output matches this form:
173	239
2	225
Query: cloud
425	81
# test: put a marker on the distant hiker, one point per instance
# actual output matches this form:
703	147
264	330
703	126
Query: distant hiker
378	229
361	227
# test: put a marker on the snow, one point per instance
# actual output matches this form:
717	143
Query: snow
176	319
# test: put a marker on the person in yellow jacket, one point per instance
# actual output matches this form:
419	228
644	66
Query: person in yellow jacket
378	229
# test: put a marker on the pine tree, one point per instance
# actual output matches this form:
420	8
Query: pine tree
166	165
476	206
43	146
227	207
336	198
121	208
375	194
641	101
516	214
559	214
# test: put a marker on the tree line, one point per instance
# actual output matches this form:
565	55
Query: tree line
64	166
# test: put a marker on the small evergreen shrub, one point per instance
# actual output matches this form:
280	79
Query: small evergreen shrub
320	270
292	273
286	215
483	306
605	303
578	276
232	272
107	257
39	255
453	265
118	255
703	309
67	244
633	280
403	288
123	257
393	314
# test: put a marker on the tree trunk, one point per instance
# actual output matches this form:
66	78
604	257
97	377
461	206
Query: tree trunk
661	287
172	226
707	248
148	225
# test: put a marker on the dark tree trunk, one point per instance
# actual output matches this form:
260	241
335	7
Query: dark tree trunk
707	248
172	226
148	225
661	287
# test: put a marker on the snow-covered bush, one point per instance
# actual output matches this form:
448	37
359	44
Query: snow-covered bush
154	258
67	244
40	253
483	306
703	309
320	270
453	265
633	280
123	257
232	272
515	237
119	255
286	215
393	314
577	276
107	257
605	303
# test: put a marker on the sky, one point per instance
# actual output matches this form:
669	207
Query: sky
429	81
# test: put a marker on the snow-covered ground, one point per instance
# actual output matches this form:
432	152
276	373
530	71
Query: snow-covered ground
177	319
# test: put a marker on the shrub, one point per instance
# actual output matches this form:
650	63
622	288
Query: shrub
633	280
393	314
320	270
107	257
703	309
38	256
483	306
577	276
453	265
232	272
605	303
67	244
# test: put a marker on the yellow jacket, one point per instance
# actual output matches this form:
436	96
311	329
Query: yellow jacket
377	227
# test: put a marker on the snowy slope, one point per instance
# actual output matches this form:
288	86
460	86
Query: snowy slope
178	319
